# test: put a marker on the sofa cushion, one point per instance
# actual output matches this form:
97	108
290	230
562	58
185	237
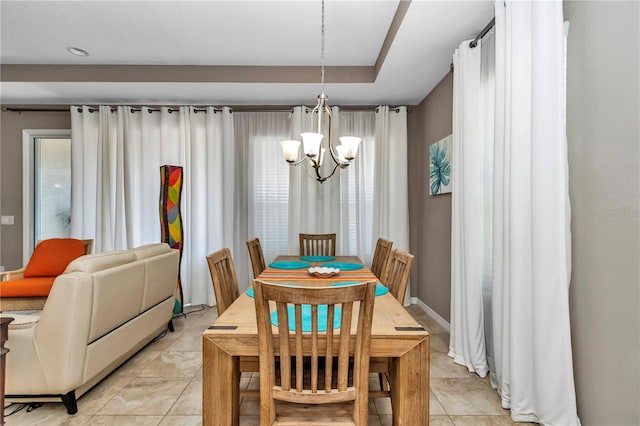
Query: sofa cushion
151	250
117	295
27	287
51	257
101	261
157	268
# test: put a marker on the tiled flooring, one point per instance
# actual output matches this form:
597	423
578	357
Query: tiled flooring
162	385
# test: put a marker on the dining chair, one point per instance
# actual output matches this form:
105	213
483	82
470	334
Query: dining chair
381	256
225	287
256	256
223	276
395	277
396	273
317	244
313	315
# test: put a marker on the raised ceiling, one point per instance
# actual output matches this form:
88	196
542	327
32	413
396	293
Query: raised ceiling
230	52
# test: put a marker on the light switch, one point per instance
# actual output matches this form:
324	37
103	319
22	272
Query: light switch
6	220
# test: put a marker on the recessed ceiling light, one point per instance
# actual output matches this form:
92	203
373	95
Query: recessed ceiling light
77	51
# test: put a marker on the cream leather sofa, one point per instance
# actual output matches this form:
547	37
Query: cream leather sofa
103	309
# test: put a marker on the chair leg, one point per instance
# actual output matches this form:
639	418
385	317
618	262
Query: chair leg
70	403
170	325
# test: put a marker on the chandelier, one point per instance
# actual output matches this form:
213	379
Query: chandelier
314	153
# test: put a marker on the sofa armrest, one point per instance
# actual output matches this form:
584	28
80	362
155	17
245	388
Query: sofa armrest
23	369
16	274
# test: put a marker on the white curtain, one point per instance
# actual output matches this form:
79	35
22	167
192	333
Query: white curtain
236	184
116	183
468	248
390	201
511	231
531	232
357	186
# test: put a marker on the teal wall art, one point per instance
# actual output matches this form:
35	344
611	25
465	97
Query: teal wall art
440	167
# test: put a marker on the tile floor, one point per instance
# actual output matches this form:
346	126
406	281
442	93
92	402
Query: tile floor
162	385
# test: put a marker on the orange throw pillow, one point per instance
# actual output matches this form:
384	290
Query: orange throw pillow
51	257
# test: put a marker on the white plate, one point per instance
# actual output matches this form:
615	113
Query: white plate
323	271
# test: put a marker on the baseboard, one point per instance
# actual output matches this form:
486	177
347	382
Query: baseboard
433	314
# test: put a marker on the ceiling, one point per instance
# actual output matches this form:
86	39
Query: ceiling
230	52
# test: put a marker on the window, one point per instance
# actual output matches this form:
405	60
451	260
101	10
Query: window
269	206
268	181
46	187
267	178
52	188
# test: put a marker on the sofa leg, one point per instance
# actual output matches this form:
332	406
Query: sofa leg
70	403
170	325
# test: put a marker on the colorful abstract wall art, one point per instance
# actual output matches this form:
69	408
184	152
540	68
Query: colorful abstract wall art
171	219
440	167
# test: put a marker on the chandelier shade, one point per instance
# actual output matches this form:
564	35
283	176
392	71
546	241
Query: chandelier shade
290	150
311	143
313	151
349	147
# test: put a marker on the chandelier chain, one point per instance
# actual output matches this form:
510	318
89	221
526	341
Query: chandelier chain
322	49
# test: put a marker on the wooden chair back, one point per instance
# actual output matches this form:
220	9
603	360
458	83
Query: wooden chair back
381	256
317	244
256	256
223	276
88	246
323	385
396	273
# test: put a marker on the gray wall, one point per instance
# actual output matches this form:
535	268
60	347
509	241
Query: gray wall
430	215
604	138
11	124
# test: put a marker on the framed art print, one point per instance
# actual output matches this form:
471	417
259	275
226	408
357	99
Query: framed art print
440	167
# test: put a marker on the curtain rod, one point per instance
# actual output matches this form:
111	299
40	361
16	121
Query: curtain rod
196	110
484	31
473	43
94	108
10	109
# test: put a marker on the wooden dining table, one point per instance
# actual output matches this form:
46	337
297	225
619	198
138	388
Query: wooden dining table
395	335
